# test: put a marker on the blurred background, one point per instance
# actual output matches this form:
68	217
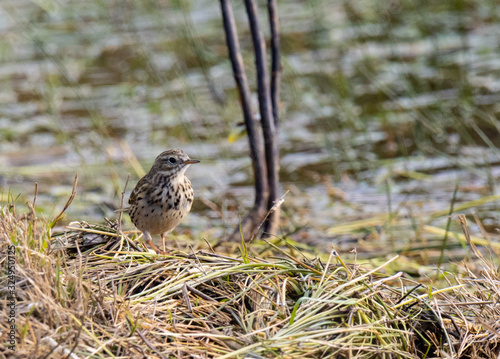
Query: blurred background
389	115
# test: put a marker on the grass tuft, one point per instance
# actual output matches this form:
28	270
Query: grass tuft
95	292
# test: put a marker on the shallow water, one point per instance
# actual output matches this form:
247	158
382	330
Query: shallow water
386	107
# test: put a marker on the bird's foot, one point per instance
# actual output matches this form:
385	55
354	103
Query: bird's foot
158	250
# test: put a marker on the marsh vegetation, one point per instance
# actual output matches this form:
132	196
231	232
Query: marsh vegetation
389	131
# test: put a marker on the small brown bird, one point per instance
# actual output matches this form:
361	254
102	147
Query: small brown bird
163	197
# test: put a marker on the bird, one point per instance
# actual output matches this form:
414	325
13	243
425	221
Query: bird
163	197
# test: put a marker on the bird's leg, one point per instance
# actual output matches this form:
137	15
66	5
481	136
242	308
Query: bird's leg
163	241
149	241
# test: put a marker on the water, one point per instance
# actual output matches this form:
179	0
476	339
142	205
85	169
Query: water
386	106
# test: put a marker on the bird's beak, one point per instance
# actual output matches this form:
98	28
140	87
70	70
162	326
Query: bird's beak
190	162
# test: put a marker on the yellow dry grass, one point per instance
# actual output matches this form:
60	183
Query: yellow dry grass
93	292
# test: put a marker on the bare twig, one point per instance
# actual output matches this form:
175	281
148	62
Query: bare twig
462	219
268	124
36	194
32	213
70	199
250	221
275	58
275	207
120	216
272	9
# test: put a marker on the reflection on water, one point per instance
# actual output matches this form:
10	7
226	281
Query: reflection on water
386	106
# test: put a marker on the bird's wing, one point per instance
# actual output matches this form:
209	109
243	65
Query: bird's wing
143	186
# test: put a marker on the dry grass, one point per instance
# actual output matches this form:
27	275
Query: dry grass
94	293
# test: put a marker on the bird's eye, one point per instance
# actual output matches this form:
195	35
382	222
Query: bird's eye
172	160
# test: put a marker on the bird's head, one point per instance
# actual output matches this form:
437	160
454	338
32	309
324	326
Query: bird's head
171	162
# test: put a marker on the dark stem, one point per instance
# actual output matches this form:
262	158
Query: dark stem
268	127
250	222
272	220
275	58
